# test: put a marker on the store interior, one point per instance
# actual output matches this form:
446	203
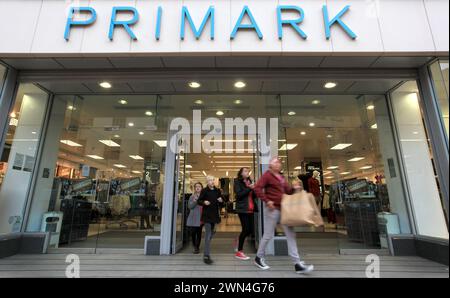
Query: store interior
108	172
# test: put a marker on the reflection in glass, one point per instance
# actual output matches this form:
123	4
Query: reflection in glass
439	73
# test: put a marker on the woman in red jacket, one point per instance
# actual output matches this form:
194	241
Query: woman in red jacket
270	189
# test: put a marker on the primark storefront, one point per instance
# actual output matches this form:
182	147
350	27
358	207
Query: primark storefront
353	90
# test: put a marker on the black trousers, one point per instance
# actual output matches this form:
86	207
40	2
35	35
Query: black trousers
247	221
196	234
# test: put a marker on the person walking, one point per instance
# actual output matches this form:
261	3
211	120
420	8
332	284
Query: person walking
245	208
270	189
211	200
194	220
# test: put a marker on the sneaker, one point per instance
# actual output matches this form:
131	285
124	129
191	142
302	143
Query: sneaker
261	263
207	260
301	268
241	256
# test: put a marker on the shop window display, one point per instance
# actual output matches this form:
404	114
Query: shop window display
439	74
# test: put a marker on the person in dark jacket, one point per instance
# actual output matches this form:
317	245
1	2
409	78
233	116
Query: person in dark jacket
194	220
270	189
245	208
211	200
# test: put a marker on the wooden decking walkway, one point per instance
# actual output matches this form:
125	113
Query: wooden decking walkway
226	266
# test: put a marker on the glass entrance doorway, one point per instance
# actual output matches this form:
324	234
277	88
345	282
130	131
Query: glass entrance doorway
223	165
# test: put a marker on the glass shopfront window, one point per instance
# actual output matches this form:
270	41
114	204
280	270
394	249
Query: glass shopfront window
19	155
422	182
2	76
342	149
104	159
439	73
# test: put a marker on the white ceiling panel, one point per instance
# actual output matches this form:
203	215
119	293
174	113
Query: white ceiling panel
318	86
116	87
251	86
206	86
245	62
294	62
137	62
85	63
374	86
152	87
183	62
60	87
347	62
38	63
284	86
400	62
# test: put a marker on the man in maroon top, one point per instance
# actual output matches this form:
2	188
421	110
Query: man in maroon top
270	189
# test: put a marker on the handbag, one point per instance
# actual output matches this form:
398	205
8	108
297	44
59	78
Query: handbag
300	209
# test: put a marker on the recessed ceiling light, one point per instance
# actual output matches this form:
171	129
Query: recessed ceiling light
415	132
356	159
194	84
345	173
33	132
116	136
238	101
105	85
220	113
291	113
329	136
303	133
136	172
149	113
123	102
95	156
71	108
131	124
374	126
198	102
120	166
312	124
366	167
141	133
109	143
315	102
330	85
370	107
70	143
161	143
240	84
288	147
136	157
340	146
298	168
332	167
188	167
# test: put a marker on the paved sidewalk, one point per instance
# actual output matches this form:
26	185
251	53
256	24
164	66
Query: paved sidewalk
188	265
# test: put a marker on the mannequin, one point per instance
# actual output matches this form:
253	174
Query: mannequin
314	186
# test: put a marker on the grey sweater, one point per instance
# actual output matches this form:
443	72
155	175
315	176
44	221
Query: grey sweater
195	212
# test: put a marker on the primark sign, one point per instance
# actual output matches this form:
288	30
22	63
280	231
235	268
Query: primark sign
126	17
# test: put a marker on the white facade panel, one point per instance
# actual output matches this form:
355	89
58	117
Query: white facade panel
438	12
18	21
383	27
404	26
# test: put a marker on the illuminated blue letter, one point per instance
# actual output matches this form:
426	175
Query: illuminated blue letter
293	23
125	24
336	19
158	23
253	25
71	22
185	15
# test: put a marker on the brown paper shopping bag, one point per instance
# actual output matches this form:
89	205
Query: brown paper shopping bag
300	209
